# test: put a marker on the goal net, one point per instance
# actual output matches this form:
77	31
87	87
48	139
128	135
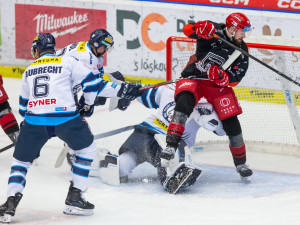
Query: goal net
271	104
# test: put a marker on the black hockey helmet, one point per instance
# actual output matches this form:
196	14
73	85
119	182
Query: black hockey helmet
101	37
43	42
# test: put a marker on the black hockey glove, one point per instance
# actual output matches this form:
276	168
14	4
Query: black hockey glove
100	101
84	109
123	104
129	91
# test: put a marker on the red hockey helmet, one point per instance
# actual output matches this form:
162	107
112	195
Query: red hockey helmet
238	20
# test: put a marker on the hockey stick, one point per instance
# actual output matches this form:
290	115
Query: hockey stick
61	157
227	64
113	103
7	147
257	60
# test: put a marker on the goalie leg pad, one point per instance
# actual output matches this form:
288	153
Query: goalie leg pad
183	176
109	170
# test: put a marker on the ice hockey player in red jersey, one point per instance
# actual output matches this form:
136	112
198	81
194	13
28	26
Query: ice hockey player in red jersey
213	83
8	121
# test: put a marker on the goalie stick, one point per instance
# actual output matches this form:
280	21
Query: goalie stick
61	157
257	60
7	147
227	64
113	103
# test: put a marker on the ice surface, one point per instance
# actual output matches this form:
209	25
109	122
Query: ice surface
217	198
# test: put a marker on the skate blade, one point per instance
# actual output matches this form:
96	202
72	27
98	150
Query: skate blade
6	218
246	180
72	210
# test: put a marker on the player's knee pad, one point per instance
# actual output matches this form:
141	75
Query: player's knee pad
127	162
232	126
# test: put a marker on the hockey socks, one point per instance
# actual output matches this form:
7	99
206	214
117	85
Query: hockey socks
82	165
238	154
176	129
17	178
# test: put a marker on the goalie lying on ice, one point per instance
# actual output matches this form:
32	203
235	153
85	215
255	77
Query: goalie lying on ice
143	145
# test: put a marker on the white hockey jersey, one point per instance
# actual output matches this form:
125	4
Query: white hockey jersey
47	89
83	52
162	99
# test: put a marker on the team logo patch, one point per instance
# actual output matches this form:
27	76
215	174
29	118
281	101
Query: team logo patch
168	111
81	47
60	109
114	85
224	102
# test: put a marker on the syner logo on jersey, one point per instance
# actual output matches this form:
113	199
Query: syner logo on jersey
67	25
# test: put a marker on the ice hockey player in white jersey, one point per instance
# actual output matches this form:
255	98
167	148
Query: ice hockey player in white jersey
49	109
91	53
143	146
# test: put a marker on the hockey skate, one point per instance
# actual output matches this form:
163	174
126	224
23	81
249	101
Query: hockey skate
76	204
245	172
183	176
8	209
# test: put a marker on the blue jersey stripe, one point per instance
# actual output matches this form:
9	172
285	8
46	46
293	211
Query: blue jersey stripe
89	78
102	85
48	121
58	114
145	124
144	98
23	101
152	98
22	113
91	88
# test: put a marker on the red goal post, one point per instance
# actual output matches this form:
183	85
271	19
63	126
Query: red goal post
271	116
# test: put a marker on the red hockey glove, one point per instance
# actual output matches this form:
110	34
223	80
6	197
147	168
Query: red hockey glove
204	29
217	75
1	80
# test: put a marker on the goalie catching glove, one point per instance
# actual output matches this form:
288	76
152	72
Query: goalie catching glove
204	29
129	91
217	75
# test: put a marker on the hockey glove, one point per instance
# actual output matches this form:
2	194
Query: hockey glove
123	104
100	101
13	136
129	91
204	29
84	109
217	75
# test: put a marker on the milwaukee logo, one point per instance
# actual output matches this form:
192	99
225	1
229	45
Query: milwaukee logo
47	23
